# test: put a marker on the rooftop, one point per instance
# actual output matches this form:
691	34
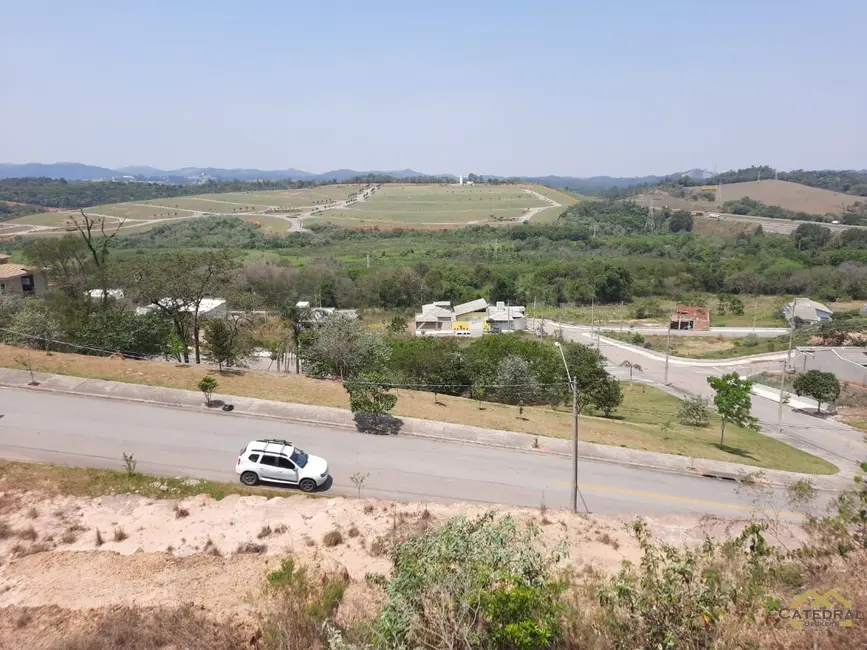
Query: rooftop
10	270
470	307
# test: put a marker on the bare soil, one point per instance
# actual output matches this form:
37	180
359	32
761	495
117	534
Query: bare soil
58	576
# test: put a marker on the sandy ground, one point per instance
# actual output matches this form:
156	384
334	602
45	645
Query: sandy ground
168	553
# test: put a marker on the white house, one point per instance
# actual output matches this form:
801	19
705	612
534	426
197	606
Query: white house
208	308
806	311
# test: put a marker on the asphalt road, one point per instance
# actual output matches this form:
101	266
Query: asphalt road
93	432
824	437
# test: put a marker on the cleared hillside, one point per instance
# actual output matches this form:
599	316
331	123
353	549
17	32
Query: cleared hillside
788	195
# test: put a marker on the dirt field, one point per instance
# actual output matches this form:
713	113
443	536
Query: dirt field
67	562
792	196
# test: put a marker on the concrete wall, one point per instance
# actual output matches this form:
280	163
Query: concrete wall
829	360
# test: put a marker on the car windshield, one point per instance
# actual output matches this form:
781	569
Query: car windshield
299	457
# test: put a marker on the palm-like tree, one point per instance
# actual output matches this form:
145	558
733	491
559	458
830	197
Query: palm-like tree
632	367
296	318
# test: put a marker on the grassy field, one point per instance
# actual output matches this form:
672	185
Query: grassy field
706	347
649	420
139	211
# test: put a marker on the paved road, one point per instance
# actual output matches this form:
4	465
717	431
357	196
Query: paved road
728	332
823	437
95	433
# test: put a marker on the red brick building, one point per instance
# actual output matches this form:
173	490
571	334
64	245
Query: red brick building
686	317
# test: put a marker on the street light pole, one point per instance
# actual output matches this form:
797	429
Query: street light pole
573	497
780	408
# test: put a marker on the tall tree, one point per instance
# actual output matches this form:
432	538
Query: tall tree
732	401
370	394
821	386
227	341
97	244
175	284
344	348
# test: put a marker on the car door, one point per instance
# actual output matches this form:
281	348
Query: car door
269	469
287	469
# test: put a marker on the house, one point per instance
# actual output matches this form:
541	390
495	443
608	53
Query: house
507	318
435	317
472	318
21	280
687	317
803	311
208	307
96	294
319	314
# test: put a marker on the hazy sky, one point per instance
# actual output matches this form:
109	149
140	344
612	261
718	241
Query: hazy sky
577	87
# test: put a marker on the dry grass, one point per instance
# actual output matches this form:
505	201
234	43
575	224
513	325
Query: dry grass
33	513
98	540
120	534
250	548
631	432
265	532
158	629
210	548
332	538
180	512
28	534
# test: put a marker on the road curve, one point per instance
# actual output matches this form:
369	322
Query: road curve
96	432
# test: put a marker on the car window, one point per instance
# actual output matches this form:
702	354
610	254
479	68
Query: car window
254	458
269	460
299	457
285	463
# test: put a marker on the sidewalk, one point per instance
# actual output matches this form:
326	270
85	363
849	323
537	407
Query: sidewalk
338	418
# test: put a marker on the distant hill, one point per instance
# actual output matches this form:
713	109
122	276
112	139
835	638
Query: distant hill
68	170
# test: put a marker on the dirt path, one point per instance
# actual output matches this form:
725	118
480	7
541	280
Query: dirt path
532	212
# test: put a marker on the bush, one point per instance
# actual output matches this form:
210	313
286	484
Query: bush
517	382
471	584
694	411
122	330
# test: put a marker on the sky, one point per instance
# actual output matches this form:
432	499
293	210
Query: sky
575	87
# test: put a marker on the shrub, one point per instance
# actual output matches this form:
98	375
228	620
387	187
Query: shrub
208	385
120	534
250	548
694	411
471	583
332	538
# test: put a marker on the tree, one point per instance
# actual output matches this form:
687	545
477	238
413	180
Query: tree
297	320
810	236
175	284
587	368
227	341
34	325
732	401
97	245
370	394
608	396
614	285
821	386
681	220
344	348
122	330
516	381
208	385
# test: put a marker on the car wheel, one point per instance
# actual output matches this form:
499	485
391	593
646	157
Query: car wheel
249	478
307	485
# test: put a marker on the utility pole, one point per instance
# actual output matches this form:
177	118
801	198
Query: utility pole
667	352
592	315
780	408
368	260
621	315
755	312
791	335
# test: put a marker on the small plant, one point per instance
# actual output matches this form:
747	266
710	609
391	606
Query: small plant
358	480
265	532
130	463
120	534
353	532
208	385
210	548
28	533
33	513
332	538
368	508
180	512
99	541
607	539
68	537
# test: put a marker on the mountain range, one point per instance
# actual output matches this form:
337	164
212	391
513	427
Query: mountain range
80	172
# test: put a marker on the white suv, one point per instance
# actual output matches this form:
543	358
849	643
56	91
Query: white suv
279	461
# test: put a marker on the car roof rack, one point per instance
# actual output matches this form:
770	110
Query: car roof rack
275	441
